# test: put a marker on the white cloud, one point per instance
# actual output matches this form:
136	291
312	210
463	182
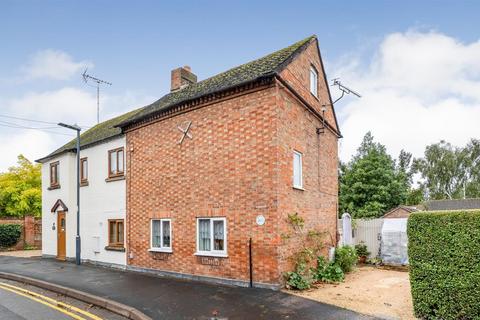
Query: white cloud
69	105
53	64
32	144
418	89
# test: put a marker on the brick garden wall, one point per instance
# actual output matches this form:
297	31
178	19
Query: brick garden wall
31	231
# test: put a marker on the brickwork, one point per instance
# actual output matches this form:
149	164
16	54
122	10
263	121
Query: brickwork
237	165
31	233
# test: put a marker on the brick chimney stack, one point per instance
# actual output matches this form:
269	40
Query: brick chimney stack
182	77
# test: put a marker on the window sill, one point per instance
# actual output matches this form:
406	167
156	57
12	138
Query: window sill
111	248
115	178
211	254
83	183
57	186
160	250
298	188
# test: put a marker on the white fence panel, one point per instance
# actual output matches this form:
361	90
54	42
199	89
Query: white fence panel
368	231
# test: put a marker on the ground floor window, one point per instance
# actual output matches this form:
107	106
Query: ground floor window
212	236
115	233
161	235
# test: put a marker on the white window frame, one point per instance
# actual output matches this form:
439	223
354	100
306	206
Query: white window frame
314	81
212	252
162	248
296	186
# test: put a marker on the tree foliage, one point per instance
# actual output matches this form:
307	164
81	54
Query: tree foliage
373	182
450	172
20	189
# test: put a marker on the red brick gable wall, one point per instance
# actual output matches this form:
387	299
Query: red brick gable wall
226	170
297	75
238	165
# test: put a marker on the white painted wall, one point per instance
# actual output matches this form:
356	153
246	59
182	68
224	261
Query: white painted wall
99	201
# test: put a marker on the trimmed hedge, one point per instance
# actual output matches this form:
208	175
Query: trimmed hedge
9	234
444	254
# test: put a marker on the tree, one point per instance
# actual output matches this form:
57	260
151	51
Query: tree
372	182
20	189
450	172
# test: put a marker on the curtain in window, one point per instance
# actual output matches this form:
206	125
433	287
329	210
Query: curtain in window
156	234
113	162
218	235
204	235
120	161
166	233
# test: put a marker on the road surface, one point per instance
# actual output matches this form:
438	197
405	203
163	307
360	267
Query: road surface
20	302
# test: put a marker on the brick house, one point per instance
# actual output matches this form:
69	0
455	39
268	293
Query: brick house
217	162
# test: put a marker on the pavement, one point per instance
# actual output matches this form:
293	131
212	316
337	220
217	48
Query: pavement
166	298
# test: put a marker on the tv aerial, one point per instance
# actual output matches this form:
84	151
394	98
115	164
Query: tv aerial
86	77
344	89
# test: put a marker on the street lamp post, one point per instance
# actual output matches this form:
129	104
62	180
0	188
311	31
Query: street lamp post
77	239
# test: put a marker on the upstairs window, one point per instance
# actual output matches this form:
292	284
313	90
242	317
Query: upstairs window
115	163
212	236
54	174
297	170
83	170
161	235
314	81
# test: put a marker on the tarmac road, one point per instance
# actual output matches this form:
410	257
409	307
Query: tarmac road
21	302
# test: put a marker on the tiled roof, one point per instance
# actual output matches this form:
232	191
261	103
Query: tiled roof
453	204
244	73
101	132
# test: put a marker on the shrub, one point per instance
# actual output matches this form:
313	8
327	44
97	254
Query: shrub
361	250
328	271
444	254
345	258
300	279
9	234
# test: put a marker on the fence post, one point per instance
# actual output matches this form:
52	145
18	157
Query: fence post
347	229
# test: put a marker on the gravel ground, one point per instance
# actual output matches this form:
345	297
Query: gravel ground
374	291
22	253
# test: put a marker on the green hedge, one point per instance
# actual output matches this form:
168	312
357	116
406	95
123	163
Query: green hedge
444	254
9	234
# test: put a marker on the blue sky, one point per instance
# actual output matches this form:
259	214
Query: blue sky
136	44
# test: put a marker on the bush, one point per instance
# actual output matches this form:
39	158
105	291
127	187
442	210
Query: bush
9	234
300	279
444	254
361	250
346	258
328	272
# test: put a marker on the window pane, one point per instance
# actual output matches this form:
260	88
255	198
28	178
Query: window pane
120	232
166	233
113	162
120	161
204	234
113	232
313	81
84	170
297	169
218	235
156	234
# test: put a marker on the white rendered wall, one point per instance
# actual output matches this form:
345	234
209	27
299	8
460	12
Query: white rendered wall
99	201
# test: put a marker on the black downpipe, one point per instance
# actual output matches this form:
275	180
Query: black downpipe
250	260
